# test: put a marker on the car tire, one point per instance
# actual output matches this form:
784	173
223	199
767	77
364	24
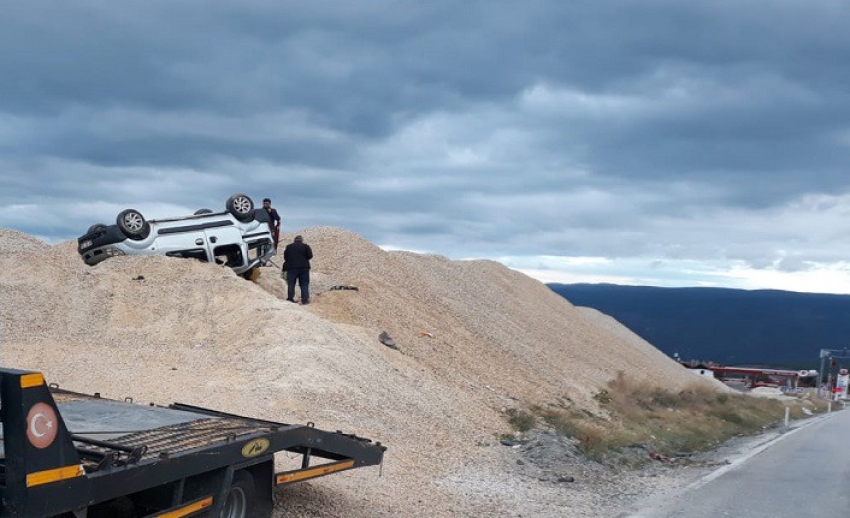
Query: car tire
97	227
241	499
203	211
241	206
133	224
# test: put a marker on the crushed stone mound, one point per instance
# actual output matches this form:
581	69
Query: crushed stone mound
641	346
473	338
13	242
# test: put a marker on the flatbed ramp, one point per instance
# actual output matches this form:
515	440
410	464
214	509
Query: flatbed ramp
83	455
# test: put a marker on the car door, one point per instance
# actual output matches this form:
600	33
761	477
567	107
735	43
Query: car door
226	246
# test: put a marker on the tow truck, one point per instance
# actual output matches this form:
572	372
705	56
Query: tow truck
73	455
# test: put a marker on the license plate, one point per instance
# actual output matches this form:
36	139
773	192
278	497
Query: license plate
85	244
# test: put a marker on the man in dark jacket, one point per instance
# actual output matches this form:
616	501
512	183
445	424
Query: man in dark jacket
296	262
274	220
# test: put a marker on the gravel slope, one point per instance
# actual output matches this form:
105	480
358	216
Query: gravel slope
474	338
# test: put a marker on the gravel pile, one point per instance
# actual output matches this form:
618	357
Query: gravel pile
473	339
640	345
13	242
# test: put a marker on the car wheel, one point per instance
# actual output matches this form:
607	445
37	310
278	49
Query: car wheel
133	224
240	500
241	206
97	227
203	211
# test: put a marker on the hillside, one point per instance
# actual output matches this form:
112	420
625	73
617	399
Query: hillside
724	325
165	329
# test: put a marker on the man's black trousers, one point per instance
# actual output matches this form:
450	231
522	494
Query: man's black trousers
302	277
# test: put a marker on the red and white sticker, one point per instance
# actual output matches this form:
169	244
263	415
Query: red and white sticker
42	425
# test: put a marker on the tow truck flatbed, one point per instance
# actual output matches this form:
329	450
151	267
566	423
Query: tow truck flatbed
70	454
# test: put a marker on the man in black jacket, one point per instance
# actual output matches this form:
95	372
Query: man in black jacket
296	262
274	220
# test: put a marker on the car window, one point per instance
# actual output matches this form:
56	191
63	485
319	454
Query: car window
229	255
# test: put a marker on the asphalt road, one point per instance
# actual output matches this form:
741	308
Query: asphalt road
805	472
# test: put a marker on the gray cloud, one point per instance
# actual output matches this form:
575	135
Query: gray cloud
622	129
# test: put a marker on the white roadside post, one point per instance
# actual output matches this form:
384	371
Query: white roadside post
787	415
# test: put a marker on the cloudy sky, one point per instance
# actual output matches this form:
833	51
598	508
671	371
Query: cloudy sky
650	142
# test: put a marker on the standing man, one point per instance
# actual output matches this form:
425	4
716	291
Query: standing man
296	261
274	220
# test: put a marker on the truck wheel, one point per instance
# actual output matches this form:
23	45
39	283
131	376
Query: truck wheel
133	224
240	499
241	206
121	507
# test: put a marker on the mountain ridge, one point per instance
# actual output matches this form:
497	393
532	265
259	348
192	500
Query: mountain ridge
726	325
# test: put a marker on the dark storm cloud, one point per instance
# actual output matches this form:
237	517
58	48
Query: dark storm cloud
658	128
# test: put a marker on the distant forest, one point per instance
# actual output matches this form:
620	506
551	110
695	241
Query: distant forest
733	327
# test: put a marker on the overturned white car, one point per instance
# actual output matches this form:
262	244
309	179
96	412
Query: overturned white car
238	237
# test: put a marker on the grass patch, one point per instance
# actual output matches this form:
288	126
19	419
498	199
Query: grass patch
669	422
592	433
520	420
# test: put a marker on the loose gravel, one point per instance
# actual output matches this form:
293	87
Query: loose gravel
474	339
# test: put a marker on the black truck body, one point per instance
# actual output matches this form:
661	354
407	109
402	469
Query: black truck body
75	455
